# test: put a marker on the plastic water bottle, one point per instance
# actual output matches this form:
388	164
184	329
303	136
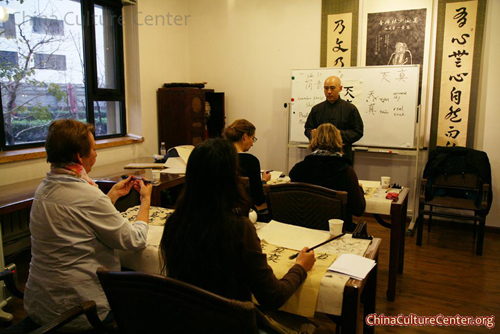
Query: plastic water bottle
163	150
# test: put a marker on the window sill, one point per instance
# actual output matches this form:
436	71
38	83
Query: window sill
39	152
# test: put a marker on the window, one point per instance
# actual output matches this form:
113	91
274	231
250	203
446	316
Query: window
47	26
66	62
8	58
8	27
50	62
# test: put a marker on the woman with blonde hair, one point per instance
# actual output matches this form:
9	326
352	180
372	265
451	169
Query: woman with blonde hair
242	134
327	168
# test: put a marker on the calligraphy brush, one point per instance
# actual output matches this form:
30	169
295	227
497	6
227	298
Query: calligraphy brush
321	244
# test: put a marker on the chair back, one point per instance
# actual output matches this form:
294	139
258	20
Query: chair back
305	204
146	303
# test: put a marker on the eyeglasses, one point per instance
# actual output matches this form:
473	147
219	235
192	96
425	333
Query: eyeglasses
254	139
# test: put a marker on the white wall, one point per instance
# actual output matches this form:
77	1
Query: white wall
488	120
247	49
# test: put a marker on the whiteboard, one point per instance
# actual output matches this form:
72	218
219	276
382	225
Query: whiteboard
386	97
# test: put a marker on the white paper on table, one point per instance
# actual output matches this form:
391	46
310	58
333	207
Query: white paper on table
154	235
370	184
175	162
184	151
275	174
345	245
377	203
291	236
332	289
353	265
174	171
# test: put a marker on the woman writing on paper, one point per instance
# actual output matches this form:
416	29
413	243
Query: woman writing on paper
209	242
242	134
327	168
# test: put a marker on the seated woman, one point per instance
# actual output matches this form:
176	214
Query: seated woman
325	167
75	228
209	242
242	134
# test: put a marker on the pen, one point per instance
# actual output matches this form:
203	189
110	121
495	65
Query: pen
321	244
136	178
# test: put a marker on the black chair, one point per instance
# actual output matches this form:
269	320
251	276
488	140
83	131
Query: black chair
458	192
27	325
305	204
146	303
456	179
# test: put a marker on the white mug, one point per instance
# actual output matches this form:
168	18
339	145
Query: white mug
335	226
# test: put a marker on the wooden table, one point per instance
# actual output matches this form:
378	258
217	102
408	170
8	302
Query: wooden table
17	196
356	291
147	260
398	212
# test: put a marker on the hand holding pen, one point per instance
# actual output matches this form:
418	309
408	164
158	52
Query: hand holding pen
135	178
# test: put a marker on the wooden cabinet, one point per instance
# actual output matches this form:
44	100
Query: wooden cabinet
183	118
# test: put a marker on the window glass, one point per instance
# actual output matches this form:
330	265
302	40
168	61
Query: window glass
105	47
107	117
43	71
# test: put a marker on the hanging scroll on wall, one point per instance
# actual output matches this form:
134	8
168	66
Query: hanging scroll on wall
457	68
456	73
339	45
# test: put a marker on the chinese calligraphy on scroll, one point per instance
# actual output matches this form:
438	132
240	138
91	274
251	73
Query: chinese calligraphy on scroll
456	73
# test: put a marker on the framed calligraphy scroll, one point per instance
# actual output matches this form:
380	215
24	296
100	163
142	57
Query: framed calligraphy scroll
457	72
339	49
339	46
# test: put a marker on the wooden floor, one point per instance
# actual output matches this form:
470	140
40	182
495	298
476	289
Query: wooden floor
443	276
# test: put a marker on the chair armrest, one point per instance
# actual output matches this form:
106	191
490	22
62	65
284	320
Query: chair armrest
486	191
88	308
267	189
8	277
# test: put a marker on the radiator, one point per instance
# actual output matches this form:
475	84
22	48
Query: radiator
14	237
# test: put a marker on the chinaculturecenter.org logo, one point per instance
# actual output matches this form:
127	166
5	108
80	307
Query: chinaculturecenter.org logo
139	18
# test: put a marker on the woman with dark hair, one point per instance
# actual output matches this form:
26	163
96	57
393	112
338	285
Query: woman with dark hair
242	134
75	228
209	242
327	168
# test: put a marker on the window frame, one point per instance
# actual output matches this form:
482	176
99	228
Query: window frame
92	92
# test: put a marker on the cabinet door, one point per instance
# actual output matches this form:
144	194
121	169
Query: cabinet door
195	108
173	120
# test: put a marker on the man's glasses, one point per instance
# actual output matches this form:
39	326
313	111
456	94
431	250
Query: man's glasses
254	139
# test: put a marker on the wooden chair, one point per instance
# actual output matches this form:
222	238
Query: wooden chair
305	204
29	326
457	192
146	303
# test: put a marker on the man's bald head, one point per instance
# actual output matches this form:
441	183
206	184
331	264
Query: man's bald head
332	88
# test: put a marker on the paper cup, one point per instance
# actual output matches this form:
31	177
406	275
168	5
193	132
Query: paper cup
252	215
385	181
156	175
335	226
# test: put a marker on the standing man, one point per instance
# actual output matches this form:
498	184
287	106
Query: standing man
344	115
